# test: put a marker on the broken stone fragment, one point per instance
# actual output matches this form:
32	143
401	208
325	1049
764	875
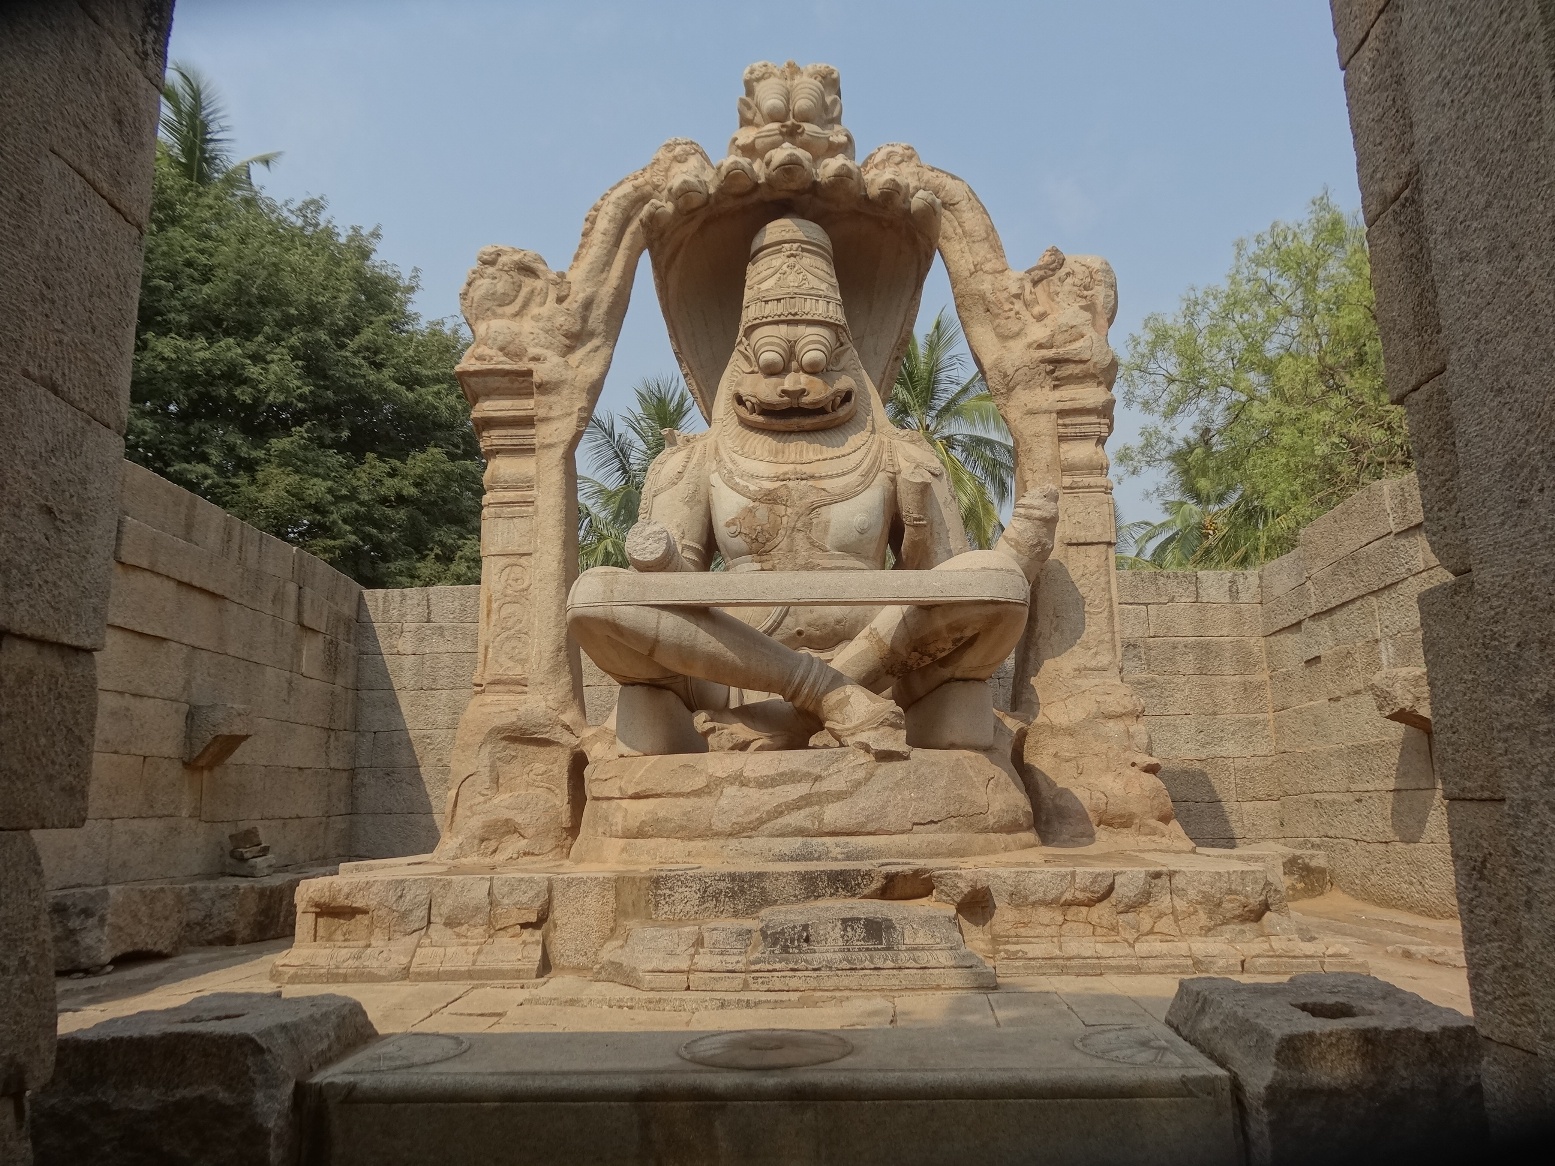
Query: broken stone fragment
248	856
213	732
1402	695
254	867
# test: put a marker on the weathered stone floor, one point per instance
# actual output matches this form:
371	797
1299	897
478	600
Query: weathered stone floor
1408	950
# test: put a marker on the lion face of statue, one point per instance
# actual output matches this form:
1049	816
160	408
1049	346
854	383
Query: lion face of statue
794	378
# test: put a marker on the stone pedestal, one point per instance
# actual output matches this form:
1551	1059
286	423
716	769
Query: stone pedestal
802	805
768	926
852	944
212	1080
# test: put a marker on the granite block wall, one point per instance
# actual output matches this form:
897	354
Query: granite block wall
79	88
1257	693
417	665
208	614
1450	107
414	679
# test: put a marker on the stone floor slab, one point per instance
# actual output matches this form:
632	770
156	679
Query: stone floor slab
901	1096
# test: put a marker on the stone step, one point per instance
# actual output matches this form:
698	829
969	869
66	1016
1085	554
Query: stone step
857	944
1060	1092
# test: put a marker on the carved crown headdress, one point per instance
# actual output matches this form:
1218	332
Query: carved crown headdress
791	276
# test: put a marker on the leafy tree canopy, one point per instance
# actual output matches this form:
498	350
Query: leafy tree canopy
1269	398
281	372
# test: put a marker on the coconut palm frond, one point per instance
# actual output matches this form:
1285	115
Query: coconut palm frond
612	451
991	462
194	130
978	513
618	452
662	403
193	125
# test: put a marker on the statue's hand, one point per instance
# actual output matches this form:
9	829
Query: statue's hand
915	495
1028	539
651	547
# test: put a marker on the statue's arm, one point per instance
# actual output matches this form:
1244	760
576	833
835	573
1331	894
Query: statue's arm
932	531
674	530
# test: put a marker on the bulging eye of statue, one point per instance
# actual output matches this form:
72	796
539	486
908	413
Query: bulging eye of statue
815	352
807	100
772	99
772	357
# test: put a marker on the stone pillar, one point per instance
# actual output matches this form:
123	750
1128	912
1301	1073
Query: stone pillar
542	344
79	91
1088	749
1076	629
1452	106
515	757
502	409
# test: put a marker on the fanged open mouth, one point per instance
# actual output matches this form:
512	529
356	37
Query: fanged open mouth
836	407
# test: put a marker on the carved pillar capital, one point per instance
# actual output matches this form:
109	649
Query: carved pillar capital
502	409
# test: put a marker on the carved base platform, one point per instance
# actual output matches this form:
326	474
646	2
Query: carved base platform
803	805
941	923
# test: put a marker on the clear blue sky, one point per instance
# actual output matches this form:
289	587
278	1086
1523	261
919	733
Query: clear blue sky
1153	132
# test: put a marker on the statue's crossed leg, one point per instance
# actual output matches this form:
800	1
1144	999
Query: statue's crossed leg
911	650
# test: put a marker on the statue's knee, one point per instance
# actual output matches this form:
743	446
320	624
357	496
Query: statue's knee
591	625
981	561
995	628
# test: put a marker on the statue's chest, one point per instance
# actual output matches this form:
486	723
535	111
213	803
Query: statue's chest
798	525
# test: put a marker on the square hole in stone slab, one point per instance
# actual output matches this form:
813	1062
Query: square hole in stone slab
1331	1009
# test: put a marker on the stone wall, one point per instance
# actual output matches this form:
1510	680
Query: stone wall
414	677
415	673
1451	111
207	613
79	88
1257	693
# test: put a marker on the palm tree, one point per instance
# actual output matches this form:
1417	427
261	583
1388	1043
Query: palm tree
619	451
194	132
1211	523
958	419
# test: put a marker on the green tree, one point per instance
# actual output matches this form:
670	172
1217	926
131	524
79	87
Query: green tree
958	419
1210	522
1268	390
281	372
618	453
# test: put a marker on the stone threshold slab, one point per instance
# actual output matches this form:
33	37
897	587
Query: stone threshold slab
799	588
1061	1092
